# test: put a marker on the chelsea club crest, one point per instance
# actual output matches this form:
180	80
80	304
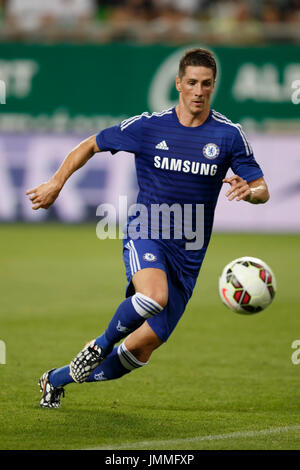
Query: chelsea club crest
211	151
149	257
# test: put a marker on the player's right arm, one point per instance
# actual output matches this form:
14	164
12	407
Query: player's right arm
126	137
44	195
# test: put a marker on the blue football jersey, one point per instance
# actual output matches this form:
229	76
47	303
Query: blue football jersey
184	166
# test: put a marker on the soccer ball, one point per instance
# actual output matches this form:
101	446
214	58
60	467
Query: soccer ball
247	285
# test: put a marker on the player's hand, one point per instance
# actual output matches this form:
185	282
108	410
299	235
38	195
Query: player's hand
239	189
44	195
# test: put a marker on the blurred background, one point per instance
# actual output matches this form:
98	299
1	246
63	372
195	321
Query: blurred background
69	68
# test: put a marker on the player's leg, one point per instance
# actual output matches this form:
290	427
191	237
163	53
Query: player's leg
142	342
135	351
132	354
151	296
153	283
137	348
147	291
137	308
129	316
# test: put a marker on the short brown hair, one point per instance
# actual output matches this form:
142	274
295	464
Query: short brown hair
197	57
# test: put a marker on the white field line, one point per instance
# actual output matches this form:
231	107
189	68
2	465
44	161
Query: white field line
211	437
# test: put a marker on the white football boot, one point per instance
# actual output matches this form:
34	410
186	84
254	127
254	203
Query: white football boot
86	361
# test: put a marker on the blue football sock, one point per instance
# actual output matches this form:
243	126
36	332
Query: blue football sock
60	377
130	314
118	363
105	344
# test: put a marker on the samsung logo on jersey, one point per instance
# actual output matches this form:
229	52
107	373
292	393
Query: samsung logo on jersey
176	164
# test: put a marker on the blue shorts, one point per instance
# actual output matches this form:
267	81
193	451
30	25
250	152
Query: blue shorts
140	254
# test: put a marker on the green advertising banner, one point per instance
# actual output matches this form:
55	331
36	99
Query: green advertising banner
75	88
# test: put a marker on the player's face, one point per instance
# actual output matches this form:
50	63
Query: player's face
195	88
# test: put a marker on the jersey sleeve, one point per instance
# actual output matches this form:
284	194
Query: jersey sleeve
125	136
242	160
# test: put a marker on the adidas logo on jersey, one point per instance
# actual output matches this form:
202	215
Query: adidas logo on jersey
162	145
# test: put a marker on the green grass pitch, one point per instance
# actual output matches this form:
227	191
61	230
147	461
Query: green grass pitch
219	373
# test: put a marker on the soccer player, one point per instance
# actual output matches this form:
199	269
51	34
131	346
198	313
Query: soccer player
182	157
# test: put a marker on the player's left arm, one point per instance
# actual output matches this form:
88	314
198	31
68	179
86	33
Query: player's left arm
247	183
255	192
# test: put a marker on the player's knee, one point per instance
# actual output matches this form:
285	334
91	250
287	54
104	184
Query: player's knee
142	342
146	306
133	358
142	353
157	296
161	297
